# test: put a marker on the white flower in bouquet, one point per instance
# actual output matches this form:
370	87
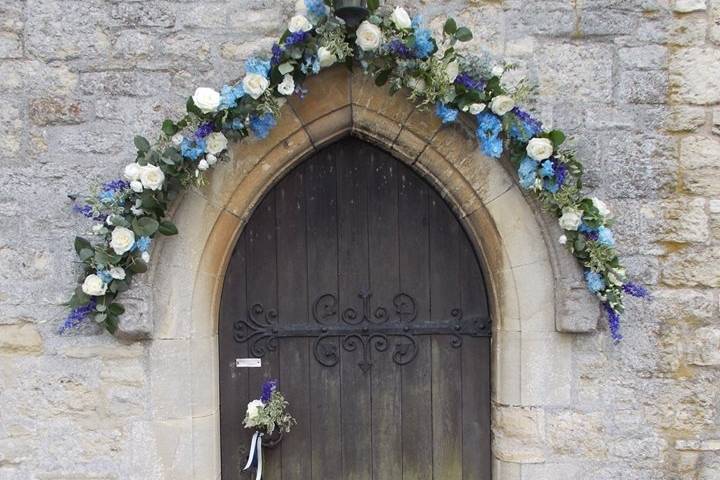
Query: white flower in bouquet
255	85
299	23
132	171
452	70
94	286
122	240
252	415
369	36
502	104
216	142
206	99
152	177
601	206
539	149
571	218
287	86
475	108
326	57
401	18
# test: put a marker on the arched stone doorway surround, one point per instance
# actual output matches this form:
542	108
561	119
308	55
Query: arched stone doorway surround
536	292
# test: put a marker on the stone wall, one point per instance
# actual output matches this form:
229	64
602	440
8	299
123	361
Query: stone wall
637	83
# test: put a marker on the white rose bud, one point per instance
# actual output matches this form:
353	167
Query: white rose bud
299	23
94	286
369	36
177	139
539	149
136	186
152	177
476	108
253	412
400	18
118	273
211	159
502	104
326	57
452	70
203	165
287	86
571	218
562	240
215	143
601	206
206	99
132	171
145	257
255	85
122	240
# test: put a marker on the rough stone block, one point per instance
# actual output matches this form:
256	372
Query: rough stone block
519	434
573	433
650	57
582	71
643	87
58	111
687	6
20	340
699	163
684	119
683	221
692	268
695	75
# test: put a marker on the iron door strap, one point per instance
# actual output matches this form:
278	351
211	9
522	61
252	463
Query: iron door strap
361	329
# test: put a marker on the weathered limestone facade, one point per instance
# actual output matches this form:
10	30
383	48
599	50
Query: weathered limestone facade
637	82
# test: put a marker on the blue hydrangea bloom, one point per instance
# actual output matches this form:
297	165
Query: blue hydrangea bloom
260	125
310	64
417	22
230	95
258	66
445	113
296	38
192	149
551	186
595	281
424	45
143	244
605	236
548	169
585	228
237	124
488	131
316	9
492	147
527	172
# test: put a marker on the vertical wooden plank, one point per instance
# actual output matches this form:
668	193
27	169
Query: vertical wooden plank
414	259
233	381
386	382
477	461
322	254
446	361
293	310
262	289
352	280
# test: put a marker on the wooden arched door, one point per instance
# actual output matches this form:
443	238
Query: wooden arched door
368	304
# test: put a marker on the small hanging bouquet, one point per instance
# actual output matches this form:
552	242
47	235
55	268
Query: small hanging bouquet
269	417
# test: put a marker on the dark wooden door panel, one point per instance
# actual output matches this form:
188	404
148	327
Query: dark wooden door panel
381	309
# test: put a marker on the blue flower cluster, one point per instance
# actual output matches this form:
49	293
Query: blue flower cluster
192	149
605	237
142	244
527	173
109	190
277	53
613	323
488	133
258	66
424	43
469	82
523	126
445	113
398	48
261	125
635	290
316	9
229	96
267	390
595	281
204	130
77	316
296	38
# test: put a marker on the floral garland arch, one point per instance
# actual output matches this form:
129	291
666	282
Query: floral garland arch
395	49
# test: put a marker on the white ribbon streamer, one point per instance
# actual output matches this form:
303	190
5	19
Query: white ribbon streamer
255	454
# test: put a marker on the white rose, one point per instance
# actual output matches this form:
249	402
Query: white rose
497	71
299	23
400	18
215	143
122	240
452	70
132	171
206	99
211	159
203	165
94	286
118	273
253	412
571	218
287	87
417	84
476	108
145	257
136	186
255	85
502	104
562	240
369	36
539	149
177	139
326	57
152	177
601	206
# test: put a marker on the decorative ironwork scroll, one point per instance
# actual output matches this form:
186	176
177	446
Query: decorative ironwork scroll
362	329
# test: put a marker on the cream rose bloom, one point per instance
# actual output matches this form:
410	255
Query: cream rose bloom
476	108
571	218
287	86
452	70
122	240
206	99
326	57
94	286
539	149
601	206
152	177
211	159
400	18
253	412
502	104
369	36
255	85
299	23
215	143
132	172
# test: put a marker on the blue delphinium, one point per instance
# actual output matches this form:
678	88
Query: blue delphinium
588	231
204	130
260	125
595	281
296	38
258	66
277	53
469	82
527	172
84	210
310	64
613	323
399	50
230	95
77	316
488	131
192	149
635	290
267	390
143	244
524	126
110	189
605	237
445	113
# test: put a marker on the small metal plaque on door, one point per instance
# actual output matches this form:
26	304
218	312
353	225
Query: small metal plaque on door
248	362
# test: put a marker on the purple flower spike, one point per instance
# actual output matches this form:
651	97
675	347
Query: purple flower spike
613	323
204	130
77	316
469	82
636	290
267	390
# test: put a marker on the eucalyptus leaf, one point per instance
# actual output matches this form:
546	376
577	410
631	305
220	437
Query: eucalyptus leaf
82	244
463	34
142	144
450	26
167	228
286	68
169	128
145	226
